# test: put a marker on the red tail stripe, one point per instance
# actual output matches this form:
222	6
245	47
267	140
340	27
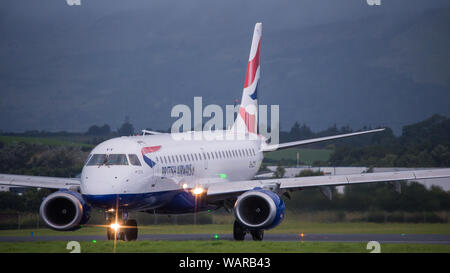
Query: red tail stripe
252	67
249	119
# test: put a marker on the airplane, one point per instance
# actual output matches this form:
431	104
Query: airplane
158	173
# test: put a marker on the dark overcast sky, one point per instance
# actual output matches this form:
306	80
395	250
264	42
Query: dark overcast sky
324	62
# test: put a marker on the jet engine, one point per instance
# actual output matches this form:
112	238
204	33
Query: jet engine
64	210
259	209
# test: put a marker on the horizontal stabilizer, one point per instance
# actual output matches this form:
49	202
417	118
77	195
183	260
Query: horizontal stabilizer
270	148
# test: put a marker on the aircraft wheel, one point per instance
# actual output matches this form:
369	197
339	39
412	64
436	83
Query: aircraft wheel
121	235
238	231
109	234
257	235
131	232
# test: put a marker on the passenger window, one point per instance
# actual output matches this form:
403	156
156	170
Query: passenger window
208	155
184	157
134	160
196	158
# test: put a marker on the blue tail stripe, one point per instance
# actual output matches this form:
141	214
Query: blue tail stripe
254	95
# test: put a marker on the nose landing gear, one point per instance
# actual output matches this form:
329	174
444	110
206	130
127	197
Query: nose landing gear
131	230
119	227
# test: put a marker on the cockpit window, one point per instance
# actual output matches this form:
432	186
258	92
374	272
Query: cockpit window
97	159
87	159
117	159
111	159
134	160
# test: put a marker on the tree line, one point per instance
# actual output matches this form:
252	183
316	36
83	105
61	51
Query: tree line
375	196
37	159
422	144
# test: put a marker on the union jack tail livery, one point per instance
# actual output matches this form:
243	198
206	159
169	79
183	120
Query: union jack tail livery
247	120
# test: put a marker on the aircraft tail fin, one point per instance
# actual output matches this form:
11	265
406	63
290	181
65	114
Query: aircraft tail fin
247	119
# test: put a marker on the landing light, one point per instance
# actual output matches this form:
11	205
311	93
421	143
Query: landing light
198	191
184	186
115	226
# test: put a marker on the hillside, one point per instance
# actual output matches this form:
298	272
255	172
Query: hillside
66	68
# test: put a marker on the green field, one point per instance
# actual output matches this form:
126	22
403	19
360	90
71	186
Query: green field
307	156
216	246
43	141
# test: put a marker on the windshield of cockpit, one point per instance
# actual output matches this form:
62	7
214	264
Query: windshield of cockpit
107	159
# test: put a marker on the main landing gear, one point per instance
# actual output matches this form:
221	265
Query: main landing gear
120	227
240	231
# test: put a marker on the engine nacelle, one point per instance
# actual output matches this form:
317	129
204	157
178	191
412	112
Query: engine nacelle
64	210
259	209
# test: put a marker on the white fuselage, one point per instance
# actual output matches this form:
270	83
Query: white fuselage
167	164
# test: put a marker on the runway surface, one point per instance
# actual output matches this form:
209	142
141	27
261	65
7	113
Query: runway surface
381	238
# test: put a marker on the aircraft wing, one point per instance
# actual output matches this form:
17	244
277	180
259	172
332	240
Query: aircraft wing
39	181
234	188
269	148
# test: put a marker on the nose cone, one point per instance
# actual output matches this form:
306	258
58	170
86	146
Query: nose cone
103	180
